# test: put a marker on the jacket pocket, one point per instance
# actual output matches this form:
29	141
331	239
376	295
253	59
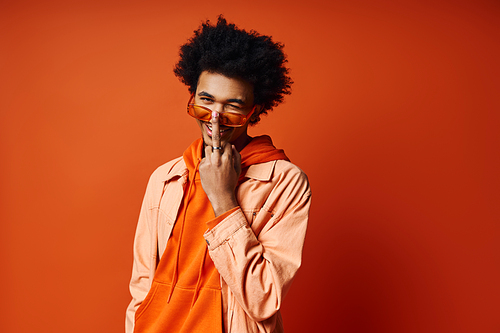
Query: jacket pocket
260	220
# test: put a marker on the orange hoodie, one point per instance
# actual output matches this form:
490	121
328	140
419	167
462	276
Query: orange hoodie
185	295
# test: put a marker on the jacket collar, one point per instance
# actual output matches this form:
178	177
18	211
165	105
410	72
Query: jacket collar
261	171
178	169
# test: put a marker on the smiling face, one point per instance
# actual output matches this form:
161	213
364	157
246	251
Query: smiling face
221	93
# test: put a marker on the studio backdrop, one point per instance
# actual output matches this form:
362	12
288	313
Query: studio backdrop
394	116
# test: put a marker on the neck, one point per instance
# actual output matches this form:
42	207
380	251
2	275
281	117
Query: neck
241	141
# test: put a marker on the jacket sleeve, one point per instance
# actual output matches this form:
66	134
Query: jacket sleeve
144	257
258	261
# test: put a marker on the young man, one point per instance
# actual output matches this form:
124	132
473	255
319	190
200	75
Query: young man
221	229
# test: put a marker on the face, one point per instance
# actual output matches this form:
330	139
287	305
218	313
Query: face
221	93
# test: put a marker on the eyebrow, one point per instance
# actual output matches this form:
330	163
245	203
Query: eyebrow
231	100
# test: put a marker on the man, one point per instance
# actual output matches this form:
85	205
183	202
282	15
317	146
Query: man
221	229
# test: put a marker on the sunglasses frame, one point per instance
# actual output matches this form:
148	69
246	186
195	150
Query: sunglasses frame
244	118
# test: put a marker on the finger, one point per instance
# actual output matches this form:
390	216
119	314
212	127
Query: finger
226	153
216	151
208	153
228	150
215	130
236	159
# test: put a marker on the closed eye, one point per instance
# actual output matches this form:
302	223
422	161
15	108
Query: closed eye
233	107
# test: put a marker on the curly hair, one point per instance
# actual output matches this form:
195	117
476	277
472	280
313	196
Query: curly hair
236	53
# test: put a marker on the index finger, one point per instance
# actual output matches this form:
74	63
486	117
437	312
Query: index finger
215	130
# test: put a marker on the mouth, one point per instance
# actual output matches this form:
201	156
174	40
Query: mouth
222	130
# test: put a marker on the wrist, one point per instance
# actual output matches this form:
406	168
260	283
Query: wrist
222	206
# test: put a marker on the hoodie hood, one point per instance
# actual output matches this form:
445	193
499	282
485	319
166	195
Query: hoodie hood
261	150
192	157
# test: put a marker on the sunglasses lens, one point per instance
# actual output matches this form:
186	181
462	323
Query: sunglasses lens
230	119
200	113
226	118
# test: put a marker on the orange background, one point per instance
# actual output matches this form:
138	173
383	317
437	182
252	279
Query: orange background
394	116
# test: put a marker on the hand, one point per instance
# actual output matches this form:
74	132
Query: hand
219	172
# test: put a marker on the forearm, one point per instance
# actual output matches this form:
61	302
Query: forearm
258	272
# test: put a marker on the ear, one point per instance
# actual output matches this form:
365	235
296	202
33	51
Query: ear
258	110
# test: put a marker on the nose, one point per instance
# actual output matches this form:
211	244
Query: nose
218	107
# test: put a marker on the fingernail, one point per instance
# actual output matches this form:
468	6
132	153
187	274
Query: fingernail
214	114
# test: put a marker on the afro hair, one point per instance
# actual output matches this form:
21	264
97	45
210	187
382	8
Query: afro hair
236	53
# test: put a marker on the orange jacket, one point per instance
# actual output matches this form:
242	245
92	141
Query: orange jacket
257	249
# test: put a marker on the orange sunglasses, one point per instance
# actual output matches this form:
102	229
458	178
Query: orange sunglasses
226	118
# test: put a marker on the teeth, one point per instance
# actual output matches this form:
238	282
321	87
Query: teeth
221	130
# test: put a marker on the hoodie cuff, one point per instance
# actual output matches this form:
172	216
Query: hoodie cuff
212	223
225	228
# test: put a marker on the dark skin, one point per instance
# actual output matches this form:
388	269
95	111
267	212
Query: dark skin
221	168
219	172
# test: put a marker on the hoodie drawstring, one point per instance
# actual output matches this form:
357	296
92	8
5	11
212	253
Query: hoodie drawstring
176	264
198	283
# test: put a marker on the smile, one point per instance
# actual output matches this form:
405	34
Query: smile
221	129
